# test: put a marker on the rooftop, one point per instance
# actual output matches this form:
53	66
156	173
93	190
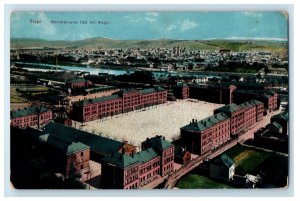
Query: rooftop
117	95
123	160
120	160
158	143
28	111
97	100
247	105
223	160
64	146
76	80
283	115
97	143
206	123
146	155
255	102
229	108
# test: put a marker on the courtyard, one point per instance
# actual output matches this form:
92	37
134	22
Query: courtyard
165	120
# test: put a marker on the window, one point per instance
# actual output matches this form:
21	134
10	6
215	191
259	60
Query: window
81	154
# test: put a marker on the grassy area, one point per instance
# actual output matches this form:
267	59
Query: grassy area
195	181
249	160
15	96
34	89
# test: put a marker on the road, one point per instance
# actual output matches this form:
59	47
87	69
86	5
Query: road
172	180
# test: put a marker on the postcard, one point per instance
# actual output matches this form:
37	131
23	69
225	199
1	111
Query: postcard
149	100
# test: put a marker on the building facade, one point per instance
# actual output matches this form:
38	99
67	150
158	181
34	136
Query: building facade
71	159
259	109
122	171
216	93
78	83
181	91
236	114
249	114
166	151
269	98
34	116
202	136
120	102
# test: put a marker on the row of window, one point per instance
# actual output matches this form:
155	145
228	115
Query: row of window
116	105
131	171
168	167
168	159
149	167
131	179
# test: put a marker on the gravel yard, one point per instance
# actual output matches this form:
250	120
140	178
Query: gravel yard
164	120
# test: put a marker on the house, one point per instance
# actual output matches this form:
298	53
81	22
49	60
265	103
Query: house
283	120
270	137
63	119
182	156
274	127
222	168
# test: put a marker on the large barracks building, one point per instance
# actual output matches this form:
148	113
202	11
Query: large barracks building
119	102
225	93
215	93
202	136
34	116
121	171
122	167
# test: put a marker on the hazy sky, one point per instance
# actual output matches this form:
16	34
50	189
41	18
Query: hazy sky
151	25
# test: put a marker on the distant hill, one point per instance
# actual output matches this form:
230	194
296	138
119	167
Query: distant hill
235	45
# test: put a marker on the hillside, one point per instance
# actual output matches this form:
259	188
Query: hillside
235	45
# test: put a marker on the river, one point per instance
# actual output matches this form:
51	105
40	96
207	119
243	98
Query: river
96	71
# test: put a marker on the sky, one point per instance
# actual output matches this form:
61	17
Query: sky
150	25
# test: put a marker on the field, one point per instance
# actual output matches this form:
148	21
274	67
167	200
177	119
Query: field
273	166
15	96
165	120
195	181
